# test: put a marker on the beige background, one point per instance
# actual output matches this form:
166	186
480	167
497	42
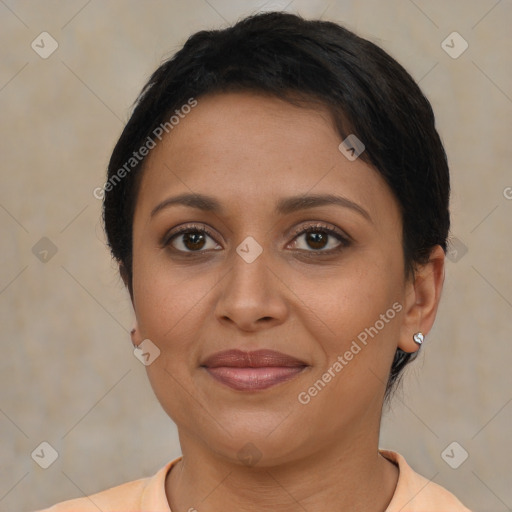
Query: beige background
67	369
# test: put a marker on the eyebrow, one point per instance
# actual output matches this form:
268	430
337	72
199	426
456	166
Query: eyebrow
284	206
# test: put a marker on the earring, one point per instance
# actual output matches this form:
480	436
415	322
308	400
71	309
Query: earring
418	338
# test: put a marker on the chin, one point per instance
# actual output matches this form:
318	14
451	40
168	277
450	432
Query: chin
252	439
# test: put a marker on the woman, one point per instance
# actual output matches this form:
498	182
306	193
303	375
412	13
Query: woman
278	207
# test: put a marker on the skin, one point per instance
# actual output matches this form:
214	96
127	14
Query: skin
248	151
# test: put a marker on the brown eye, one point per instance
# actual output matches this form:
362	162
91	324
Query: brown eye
193	241
317	240
189	239
320	239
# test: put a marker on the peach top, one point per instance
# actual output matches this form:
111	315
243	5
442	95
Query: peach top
413	493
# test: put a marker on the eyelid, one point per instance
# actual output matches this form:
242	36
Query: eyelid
342	236
344	239
173	233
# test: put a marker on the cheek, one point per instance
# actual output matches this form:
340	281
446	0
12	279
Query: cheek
356	316
168	300
157	293
353	296
167	307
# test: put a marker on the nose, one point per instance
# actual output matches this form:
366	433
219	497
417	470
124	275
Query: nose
252	296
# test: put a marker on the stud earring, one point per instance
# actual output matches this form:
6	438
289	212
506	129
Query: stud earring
418	338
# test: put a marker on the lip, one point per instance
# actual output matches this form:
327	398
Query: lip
252	371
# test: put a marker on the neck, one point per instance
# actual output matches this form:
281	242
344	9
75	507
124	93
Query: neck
351	473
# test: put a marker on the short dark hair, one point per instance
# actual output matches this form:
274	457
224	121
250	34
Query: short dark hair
300	61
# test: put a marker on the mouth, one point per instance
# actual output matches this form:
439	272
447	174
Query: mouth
252	371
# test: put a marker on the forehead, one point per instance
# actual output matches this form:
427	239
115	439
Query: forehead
258	147
236	126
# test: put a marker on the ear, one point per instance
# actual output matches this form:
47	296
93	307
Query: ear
126	278
134	333
423	293
135	336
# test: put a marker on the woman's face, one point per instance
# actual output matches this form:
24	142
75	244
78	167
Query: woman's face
331	300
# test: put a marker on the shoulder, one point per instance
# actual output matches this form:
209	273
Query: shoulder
145	494
415	493
126	496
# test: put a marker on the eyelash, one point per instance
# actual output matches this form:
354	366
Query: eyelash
345	240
